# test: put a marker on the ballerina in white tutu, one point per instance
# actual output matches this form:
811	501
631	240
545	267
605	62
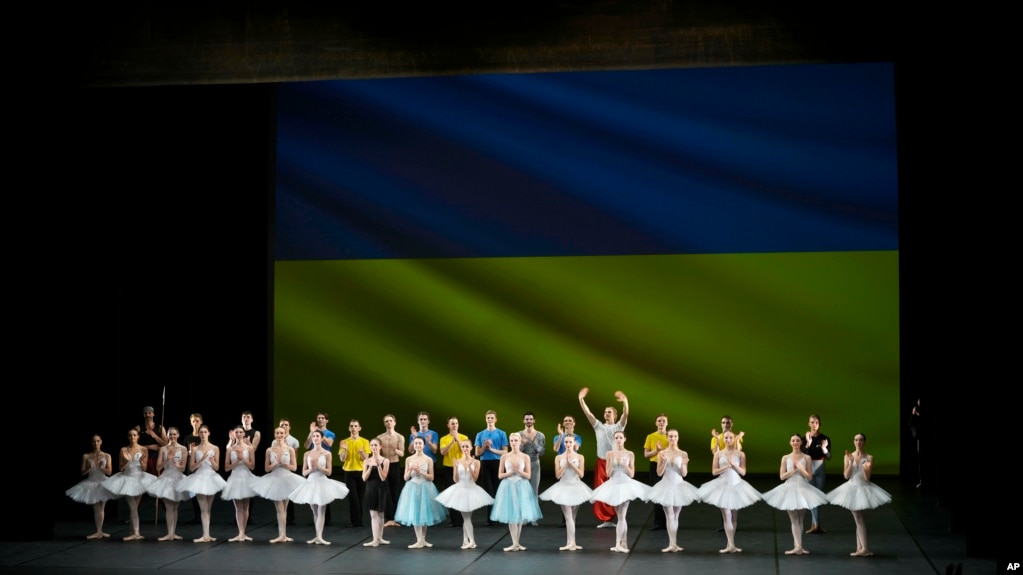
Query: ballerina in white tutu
465	496
240	488
569	492
96	466
204	483
171	461
620	488
672	492
131	481
858	493
797	494
319	489
729	492
280	480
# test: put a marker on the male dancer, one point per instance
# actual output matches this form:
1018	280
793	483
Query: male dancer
816	446
491	444
717	440
450	452
250	433
429	436
655	443
534	444
566	428
190	441
392	446
605	442
152	436
353	451
291	440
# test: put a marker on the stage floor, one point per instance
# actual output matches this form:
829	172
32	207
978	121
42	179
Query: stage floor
912	535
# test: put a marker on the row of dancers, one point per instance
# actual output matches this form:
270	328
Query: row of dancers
420	505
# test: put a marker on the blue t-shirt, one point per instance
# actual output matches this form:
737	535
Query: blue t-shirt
498	439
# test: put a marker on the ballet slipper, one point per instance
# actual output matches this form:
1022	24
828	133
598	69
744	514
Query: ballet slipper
167	537
510	548
94	536
417	545
427	544
373	543
566	548
384	542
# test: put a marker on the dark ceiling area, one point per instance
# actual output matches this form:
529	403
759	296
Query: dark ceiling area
246	42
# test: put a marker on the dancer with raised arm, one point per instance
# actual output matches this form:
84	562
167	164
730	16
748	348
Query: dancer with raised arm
729	492
569	492
620	488
204	482
515	502
797	493
132	480
319	489
464	495
672	492
172	460
605	442
417	505
858	493
280	481
96	466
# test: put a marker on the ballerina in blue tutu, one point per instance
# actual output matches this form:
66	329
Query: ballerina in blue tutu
417	504
515	502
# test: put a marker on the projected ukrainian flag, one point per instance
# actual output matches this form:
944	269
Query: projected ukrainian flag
708	241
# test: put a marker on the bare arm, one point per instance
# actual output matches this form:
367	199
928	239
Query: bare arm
586	410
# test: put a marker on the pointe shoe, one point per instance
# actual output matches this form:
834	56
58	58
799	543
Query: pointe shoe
322	541
520	548
465	545
167	537
417	545
427	544
204	539
371	544
311	542
510	548
105	535
566	548
176	537
384	542
94	536
277	540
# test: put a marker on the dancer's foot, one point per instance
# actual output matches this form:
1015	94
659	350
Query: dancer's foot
321	541
204	539
96	535
105	535
511	548
861	553
420	545
607	524
576	548
731	549
236	539
567	548
277	539
427	544
384	542
392	523
134	537
167	537
176	537
373	543
671	549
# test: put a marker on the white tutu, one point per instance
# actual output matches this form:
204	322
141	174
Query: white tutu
464	495
278	484
673	490
318	489
131	482
858	494
90	490
166	486
619	488
205	481
795	493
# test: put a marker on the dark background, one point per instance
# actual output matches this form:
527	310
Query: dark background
157	128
